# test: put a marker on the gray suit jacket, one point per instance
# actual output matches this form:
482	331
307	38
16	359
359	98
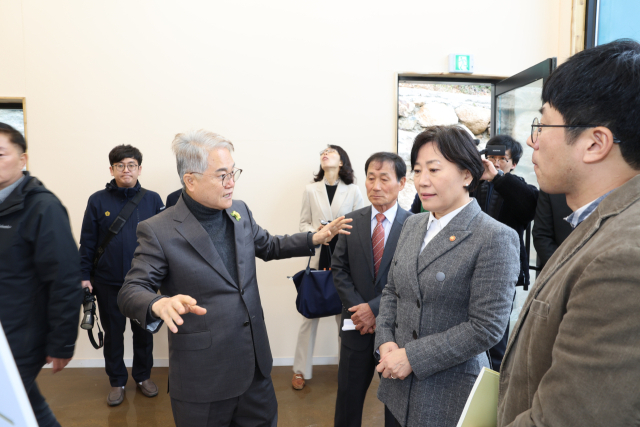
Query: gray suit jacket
211	357
573	358
446	307
352	268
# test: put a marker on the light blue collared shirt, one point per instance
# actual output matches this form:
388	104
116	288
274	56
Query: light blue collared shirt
583	213
389	217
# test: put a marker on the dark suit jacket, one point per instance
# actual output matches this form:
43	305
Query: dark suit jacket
172	198
352	268
212	357
549	227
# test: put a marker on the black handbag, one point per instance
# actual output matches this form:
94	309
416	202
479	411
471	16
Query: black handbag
317	295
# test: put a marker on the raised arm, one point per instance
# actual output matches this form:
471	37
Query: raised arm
138	299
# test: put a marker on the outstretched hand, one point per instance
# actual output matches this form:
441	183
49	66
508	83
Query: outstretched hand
170	309
337	226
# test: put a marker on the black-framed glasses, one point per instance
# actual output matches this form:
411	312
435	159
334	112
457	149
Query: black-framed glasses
235	174
120	166
494	159
536	128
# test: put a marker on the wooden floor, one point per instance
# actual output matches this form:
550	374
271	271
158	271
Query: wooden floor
78	397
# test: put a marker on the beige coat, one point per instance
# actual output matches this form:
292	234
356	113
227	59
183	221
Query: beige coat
574	356
316	207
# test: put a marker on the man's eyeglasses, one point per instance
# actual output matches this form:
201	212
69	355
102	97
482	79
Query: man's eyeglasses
235	174
120	166
494	159
328	151
536	128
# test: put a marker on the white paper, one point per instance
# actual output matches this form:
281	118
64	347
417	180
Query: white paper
348	325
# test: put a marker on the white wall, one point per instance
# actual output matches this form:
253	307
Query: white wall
281	79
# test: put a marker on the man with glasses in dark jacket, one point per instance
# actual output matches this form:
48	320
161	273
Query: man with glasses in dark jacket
40	292
507	198
106	277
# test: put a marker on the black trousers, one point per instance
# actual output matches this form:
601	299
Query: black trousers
41	409
114	324
497	351
355	372
256	407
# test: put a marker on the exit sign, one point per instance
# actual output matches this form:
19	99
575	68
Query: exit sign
460	63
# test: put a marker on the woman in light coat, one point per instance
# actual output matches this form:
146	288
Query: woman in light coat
449	290
331	195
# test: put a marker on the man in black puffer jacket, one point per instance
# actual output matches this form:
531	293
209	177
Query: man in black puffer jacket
509	199
40	293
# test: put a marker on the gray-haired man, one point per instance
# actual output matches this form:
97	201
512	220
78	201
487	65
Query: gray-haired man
201	254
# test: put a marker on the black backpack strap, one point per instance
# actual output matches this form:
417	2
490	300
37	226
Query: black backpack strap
118	223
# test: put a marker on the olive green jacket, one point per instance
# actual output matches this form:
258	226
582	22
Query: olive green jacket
573	358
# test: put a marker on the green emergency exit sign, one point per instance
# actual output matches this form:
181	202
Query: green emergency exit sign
460	63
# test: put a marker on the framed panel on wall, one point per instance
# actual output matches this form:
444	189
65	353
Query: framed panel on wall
13	113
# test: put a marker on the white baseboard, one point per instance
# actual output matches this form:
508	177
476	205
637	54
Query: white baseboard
163	363
317	360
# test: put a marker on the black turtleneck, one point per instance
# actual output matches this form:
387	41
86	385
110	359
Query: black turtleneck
220	229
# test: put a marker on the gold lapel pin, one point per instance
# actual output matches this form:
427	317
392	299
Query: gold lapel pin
452	238
107	213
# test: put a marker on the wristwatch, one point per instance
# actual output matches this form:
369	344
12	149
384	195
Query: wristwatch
500	175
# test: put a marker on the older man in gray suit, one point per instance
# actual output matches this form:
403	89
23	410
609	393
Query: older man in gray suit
360	265
201	254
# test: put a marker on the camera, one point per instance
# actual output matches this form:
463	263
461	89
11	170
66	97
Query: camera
89	309
89	317
494	150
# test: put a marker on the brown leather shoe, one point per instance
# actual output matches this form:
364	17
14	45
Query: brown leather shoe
297	382
148	388
116	396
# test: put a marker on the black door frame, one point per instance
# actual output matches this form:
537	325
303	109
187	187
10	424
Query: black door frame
541	70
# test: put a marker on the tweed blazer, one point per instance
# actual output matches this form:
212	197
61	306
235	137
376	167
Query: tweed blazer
352	270
316	207
446	306
573	358
212	357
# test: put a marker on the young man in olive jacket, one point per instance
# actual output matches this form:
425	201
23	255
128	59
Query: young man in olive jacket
106	278
40	292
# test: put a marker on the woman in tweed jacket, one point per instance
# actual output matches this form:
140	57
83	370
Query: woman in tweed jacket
450	289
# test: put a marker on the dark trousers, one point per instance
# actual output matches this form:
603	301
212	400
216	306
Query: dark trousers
256	407
114	324
41	409
355	372
497	351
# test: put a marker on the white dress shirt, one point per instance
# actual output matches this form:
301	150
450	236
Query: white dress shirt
435	225
389	217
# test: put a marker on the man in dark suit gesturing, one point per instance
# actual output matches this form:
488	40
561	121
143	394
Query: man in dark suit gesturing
360	265
201	254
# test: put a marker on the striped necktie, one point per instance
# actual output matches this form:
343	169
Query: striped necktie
377	240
